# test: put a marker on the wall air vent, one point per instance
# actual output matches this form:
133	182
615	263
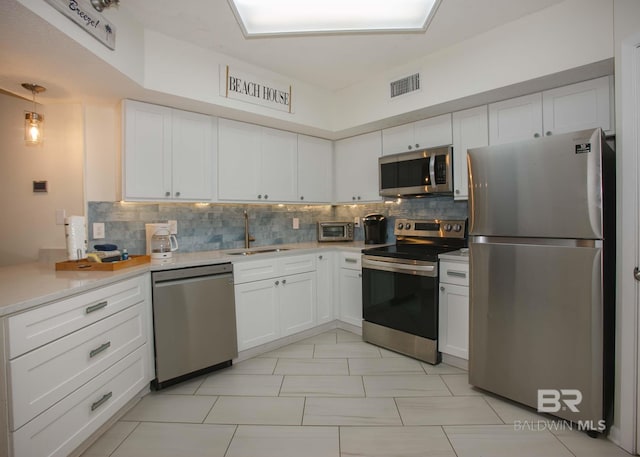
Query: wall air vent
405	85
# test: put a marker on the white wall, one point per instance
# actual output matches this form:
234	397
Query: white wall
570	34
28	219
102	153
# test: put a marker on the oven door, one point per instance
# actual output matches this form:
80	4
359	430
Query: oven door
401	294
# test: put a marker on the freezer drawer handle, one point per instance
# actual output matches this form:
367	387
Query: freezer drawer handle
636	273
96	307
459	274
102	401
100	349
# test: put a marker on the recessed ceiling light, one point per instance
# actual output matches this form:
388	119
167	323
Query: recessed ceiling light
286	17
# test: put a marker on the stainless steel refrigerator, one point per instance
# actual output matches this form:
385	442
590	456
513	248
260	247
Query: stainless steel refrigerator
542	256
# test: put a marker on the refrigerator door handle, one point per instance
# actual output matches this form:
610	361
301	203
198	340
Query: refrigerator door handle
577	243
636	273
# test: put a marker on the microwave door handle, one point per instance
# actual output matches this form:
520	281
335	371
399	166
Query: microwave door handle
432	171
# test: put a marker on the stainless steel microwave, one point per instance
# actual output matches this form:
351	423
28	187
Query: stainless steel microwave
415	173
335	231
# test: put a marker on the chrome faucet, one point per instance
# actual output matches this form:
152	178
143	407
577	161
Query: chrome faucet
247	238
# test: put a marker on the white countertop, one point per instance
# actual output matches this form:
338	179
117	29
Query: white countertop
30	285
461	255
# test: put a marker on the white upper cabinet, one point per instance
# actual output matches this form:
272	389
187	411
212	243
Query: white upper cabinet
315	169
356	168
168	153
279	174
470	130
578	107
256	163
427	133
515	119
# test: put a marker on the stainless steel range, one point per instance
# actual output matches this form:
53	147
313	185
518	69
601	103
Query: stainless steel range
400	286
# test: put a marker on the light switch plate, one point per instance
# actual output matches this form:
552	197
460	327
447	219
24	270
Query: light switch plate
98	230
356	221
60	215
173	227
296	223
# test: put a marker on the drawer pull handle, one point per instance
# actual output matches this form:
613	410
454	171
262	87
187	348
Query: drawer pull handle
96	307
102	348
351	260
102	401
459	274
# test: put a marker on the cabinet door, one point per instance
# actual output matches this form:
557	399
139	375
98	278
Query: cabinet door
315	165
470	130
454	320
257	313
357	168
239	160
578	107
515	119
350	294
297	303
192	154
398	139
435	131
325	268
147	151
279	173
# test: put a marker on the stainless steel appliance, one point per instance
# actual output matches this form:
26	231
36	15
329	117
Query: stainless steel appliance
375	229
194	322
542	258
400	286
335	231
423	172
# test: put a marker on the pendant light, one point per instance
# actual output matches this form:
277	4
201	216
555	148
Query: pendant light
33	122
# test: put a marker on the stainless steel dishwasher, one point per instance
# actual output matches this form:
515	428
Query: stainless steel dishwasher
194	322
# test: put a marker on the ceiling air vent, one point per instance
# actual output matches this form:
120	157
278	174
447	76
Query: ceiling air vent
405	85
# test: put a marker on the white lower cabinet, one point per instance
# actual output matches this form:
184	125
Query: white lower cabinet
325	264
350	289
274	298
453	325
74	363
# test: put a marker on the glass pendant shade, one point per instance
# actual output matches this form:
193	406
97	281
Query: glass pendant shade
33	128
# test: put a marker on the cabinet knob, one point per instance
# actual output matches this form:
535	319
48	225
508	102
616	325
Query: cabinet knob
409	147
284	281
442	288
260	197
417	145
358	197
266	196
277	283
359	275
320	257
301	197
167	194
177	194
548	133
536	135
353	198
457	191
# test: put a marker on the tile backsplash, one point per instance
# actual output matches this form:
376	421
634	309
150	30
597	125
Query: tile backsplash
207	227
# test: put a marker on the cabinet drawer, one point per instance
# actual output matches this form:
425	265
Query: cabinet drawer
63	427
292	265
454	273
254	270
353	261
44	376
40	326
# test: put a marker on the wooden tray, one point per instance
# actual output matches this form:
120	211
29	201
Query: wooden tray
85	265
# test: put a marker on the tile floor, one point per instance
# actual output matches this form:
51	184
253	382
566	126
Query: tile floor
335	396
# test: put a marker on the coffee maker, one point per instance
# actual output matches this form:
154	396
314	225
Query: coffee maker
375	229
160	242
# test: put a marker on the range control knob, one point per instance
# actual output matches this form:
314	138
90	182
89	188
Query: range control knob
400	226
457	227
447	227
407	226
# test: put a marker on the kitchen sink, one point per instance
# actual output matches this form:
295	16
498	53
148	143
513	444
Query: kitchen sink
260	251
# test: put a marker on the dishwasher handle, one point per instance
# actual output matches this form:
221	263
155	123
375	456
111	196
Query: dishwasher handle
158	277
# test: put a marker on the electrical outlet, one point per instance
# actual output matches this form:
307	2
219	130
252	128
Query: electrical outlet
98	230
356	221
296	223
173	227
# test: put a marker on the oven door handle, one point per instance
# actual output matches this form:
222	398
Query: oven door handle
416	270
